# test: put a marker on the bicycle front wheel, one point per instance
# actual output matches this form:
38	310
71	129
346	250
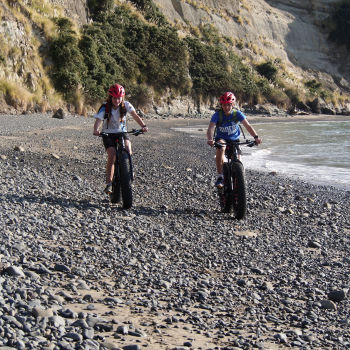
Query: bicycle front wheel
125	179
239	198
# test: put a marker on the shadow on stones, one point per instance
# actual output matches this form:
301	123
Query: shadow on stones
63	202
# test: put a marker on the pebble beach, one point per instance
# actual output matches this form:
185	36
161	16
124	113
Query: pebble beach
172	272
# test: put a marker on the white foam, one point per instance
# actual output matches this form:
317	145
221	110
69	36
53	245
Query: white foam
322	175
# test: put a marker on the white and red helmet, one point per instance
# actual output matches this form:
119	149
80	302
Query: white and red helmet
227	97
116	90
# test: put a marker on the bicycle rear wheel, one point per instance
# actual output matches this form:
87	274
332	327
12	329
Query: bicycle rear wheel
125	179
239	199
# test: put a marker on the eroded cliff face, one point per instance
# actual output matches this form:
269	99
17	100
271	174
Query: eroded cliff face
286	29
307	46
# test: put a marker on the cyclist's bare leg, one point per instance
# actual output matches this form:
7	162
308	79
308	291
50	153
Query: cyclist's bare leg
110	164
220	152
128	146
239	154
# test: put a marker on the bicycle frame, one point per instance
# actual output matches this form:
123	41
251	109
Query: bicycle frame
120	144
232	152
123	169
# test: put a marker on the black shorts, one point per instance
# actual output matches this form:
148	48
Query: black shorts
109	141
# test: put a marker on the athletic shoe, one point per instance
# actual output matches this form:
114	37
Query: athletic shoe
219	182
108	189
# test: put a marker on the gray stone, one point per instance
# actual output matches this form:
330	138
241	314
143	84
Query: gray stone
15	271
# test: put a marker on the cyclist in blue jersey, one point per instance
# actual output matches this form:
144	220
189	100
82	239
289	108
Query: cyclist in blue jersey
225	125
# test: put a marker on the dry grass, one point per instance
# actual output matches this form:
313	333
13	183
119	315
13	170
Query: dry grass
245	5
194	31
21	98
279	98
32	88
341	98
4	48
15	95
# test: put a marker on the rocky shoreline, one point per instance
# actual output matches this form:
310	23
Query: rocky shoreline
172	272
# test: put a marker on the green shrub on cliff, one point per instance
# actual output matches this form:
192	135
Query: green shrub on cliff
97	7
268	70
68	70
121	47
208	68
314	86
141	95
213	71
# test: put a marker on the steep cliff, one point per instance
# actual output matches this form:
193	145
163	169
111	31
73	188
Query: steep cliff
289	31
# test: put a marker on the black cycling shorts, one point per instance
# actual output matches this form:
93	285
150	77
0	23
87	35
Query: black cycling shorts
109	141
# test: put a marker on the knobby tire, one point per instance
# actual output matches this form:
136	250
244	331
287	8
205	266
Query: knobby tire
239	198
125	179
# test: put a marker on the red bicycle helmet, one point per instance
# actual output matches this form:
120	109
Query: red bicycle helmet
116	90
227	97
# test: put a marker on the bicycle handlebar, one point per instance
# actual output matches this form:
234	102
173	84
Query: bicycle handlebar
135	132
249	143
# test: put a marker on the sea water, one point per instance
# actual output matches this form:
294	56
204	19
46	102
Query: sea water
313	151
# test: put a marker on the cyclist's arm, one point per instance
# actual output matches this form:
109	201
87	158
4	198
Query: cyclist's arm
210	133
251	131
97	126
139	120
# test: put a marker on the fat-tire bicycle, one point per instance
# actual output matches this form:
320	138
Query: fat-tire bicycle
123	169
232	196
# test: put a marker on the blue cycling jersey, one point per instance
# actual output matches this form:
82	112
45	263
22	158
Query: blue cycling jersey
229	129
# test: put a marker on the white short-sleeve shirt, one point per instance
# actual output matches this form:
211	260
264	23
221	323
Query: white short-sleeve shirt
114	124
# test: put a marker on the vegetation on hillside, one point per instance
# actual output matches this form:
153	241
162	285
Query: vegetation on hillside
132	43
119	46
268	70
69	66
145	50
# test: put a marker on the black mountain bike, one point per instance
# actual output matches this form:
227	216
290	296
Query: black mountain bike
123	170
233	195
